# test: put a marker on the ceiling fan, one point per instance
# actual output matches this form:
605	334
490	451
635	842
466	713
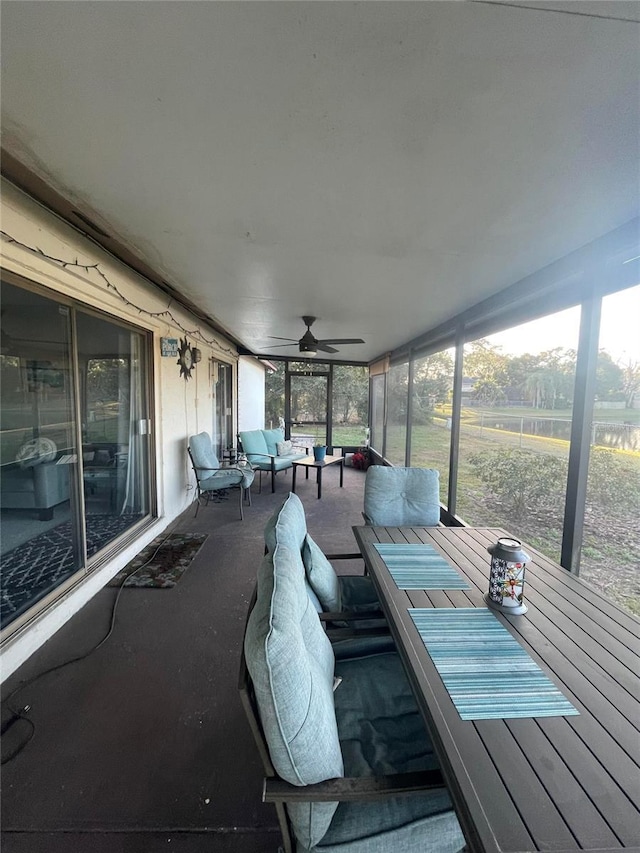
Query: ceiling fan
310	346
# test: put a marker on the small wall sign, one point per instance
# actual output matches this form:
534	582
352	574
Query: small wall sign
169	347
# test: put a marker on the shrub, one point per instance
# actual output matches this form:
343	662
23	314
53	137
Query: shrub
614	480
522	480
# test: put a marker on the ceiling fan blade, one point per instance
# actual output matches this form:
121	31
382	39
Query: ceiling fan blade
341	341
322	347
277	338
278	346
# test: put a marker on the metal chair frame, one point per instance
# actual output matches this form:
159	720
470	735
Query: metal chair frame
245	494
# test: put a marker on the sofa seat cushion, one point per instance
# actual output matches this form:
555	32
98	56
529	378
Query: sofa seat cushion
41	486
380	727
17	480
282	463
381	731
358	593
414	823
362	643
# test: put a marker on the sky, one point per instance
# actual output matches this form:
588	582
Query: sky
619	329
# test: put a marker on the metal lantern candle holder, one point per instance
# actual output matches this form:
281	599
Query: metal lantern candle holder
506	577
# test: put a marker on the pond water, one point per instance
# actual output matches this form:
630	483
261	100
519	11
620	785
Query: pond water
614	435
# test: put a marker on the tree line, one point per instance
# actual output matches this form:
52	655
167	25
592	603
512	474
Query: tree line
492	378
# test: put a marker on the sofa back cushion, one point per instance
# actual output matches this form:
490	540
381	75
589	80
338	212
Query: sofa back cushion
402	496
272	438
202	451
253	442
291	664
287	525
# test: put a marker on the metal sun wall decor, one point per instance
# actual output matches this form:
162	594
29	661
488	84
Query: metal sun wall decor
506	578
185	359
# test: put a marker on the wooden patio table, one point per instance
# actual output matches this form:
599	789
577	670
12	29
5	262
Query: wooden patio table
310	462
557	783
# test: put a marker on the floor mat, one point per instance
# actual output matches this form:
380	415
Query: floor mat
162	563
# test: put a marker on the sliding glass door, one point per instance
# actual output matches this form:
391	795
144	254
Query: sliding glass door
74	443
115	428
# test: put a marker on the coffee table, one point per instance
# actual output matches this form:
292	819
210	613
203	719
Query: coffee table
310	462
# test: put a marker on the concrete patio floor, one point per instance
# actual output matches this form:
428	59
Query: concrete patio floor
143	745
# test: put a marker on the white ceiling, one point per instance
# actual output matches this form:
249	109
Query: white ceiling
381	165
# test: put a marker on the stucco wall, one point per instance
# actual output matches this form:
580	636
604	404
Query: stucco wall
180	408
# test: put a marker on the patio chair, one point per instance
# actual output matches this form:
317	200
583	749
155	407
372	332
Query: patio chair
212	477
348	763
397	497
341	599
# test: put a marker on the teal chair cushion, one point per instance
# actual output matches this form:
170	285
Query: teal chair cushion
224	479
287	525
202	451
206	462
394	497
291	663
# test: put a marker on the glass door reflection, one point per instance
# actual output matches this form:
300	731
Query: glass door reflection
41	532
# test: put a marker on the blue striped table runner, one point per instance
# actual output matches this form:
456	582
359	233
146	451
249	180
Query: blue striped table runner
485	670
419	567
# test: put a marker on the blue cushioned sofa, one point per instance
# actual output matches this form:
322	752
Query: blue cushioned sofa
261	448
349	764
40	487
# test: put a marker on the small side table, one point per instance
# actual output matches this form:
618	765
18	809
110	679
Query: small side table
309	462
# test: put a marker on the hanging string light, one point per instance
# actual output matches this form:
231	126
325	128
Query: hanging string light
166	313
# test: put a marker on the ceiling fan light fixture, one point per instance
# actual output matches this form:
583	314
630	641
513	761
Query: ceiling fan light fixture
308	350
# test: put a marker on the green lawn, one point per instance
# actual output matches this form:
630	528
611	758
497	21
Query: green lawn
349	435
611	542
612	416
